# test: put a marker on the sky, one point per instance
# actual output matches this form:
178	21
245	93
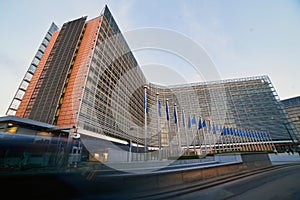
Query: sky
241	38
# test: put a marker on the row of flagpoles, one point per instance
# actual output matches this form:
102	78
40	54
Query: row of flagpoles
211	137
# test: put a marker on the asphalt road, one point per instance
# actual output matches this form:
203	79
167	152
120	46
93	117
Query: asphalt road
278	184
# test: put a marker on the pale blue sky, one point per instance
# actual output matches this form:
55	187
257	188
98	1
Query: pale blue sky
242	38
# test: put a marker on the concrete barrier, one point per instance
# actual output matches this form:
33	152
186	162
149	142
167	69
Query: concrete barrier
284	158
253	160
227	164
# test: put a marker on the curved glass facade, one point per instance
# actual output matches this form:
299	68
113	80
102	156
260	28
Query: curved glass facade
292	108
245	103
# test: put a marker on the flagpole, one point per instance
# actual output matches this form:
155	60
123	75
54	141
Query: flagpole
243	143
214	136
233	139
250	148
271	142
246	134
268	145
169	126
230	140
199	136
194	140
158	126
204	135
259	141
237	135
257	148
145	131
219	138
235	148
254	140
210	136
242	139
245	137
263	141
223	134
177	127
223	138
227	140
251	140
267	141
186	136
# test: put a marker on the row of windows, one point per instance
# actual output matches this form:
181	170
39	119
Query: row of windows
105	92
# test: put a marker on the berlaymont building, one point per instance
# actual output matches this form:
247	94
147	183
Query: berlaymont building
84	76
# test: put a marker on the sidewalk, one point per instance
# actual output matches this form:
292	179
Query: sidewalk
284	158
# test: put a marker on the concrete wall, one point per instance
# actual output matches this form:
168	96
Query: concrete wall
284	158
228	164
254	160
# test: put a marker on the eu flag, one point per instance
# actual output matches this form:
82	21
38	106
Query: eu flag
259	134
175	115
247	133
242	133
145	102
264	135
236	132
224	131
203	123
199	124
183	123
209	126
159	108
231	131
167	111
194	120
214	129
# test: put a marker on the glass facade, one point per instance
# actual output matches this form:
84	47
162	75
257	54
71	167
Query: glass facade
292	108
246	103
90	79
114	86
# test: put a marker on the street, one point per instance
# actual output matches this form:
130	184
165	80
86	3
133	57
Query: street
277	184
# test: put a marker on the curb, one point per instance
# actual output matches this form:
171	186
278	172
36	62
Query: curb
192	187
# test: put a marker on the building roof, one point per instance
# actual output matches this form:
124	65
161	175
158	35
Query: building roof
291	101
30	122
